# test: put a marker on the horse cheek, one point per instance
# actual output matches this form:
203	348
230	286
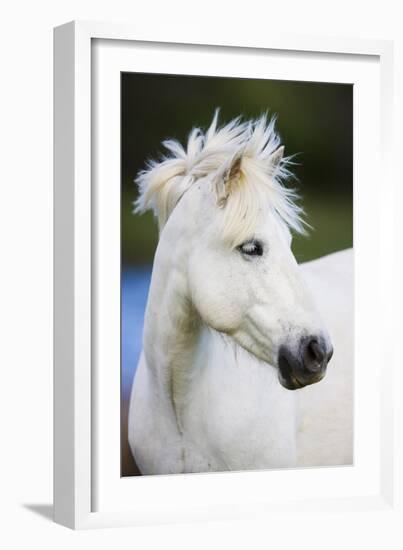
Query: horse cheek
213	299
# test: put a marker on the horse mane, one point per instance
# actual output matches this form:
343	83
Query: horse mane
260	179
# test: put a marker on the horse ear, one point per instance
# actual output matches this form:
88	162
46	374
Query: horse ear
233	171
229	172
276	157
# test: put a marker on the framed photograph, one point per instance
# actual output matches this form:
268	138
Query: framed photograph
222	233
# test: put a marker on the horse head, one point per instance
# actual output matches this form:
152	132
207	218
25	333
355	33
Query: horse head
226	220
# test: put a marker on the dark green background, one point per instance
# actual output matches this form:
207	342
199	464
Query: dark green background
315	120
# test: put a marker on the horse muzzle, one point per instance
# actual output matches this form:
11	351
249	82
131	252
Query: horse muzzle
307	366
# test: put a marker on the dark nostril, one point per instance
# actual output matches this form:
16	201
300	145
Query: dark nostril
317	352
314	355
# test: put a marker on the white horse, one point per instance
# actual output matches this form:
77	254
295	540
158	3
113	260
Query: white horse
231	324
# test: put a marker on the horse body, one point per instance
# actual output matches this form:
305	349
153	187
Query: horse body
325	410
231	324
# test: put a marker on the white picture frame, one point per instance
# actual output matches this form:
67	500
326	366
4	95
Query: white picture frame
76	429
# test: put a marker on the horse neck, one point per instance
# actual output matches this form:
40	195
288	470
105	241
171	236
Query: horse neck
172	326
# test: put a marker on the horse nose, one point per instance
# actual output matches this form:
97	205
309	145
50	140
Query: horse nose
315	354
307	365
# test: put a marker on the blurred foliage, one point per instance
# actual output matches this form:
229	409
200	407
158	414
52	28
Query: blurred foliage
315	120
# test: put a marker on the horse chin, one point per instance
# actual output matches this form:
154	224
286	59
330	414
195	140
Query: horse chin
291	382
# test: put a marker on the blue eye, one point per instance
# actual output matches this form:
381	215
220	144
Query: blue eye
251	248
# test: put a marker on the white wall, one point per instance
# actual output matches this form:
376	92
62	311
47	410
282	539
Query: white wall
26	267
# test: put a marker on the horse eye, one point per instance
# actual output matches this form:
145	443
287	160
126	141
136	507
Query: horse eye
251	248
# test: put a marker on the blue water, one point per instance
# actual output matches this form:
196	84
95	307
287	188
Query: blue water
135	285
